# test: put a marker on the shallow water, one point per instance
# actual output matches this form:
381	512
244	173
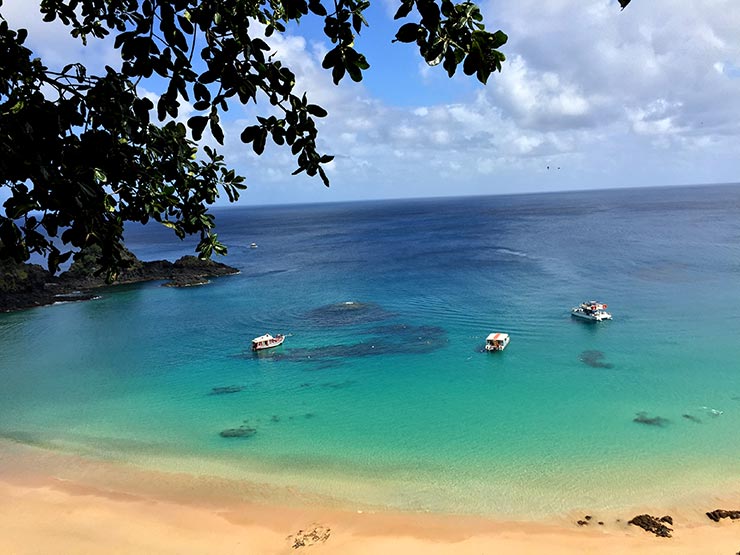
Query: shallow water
390	400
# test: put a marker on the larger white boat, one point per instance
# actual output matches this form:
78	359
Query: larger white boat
591	310
267	342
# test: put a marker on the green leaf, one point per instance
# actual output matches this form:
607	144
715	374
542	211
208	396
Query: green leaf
250	133
429	11
499	38
404	10
317	7
100	175
259	141
408	33
337	73
316	110
216	130
197	124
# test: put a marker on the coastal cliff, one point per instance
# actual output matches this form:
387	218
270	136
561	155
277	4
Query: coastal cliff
28	285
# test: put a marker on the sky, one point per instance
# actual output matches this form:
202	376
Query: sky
590	97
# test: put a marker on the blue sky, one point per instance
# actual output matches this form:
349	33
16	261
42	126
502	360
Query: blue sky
590	97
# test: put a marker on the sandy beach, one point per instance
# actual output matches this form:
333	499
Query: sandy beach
52	502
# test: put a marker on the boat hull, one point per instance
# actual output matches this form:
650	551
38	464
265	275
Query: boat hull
597	317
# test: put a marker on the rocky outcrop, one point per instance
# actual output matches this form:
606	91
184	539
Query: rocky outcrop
314	535
654	524
718	514
28	285
24	286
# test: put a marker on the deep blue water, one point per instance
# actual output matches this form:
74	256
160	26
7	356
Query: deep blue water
389	401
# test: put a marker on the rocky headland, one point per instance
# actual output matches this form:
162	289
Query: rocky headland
28	285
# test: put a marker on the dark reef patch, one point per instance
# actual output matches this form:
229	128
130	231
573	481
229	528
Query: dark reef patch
339	385
643	418
227	389
594	359
347	313
412	340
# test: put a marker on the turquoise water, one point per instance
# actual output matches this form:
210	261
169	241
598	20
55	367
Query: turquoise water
389	401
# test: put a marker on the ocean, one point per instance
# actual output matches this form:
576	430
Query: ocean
382	395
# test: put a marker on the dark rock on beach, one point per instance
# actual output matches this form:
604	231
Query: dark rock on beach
305	538
28	285
653	524
718	514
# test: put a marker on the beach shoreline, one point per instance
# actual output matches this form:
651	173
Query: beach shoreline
57	502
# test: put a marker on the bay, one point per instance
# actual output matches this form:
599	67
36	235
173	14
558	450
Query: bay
382	395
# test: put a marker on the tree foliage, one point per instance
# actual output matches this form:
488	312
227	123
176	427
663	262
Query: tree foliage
83	154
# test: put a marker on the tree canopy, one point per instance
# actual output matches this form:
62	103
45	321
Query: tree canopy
81	154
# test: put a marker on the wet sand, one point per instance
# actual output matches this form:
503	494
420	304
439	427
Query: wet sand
52	502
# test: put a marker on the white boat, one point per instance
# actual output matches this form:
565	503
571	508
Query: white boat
591	310
253	245
497	341
267	341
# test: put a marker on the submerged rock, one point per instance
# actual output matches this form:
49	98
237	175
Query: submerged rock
227	389
241	431
643	418
691	418
653	524
594	359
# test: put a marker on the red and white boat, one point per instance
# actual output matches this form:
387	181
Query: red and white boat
267	341
591	310
497	341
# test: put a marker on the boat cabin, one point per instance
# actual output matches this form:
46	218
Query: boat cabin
497	341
